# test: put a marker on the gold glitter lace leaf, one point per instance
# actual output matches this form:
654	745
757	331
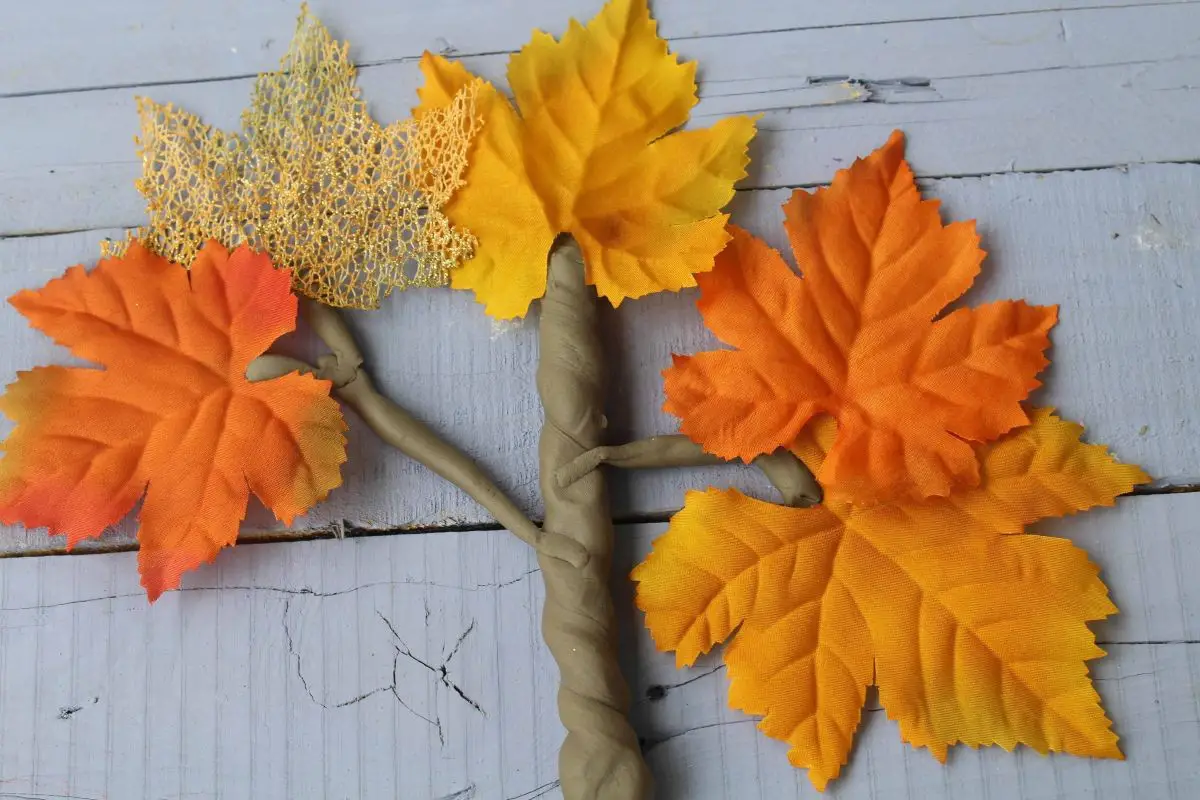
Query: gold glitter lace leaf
352	207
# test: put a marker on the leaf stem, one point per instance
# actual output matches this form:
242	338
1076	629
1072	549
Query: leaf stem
400	429
786	472
396	426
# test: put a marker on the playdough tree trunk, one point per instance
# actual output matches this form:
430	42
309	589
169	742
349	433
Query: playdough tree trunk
601	757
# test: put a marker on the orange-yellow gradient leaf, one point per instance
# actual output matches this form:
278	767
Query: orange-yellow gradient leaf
972	634
171	416
856	337
589	151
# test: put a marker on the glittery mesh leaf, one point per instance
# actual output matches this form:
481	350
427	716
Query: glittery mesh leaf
352	207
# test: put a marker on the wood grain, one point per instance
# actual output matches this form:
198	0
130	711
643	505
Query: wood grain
1049	90
1116	249
314	670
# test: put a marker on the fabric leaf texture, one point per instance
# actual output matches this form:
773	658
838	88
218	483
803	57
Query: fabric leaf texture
972	634
588	150
858	336
352	207
170	419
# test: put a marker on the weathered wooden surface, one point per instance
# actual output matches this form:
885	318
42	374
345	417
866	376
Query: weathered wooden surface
252	683
276	673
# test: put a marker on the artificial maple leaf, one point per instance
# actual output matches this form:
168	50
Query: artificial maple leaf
856	338
971	633
171	409
347	204
591	154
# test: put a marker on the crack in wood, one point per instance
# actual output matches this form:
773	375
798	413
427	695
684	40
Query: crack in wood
660	690
649	744
361	697
462	638
441	671
393	687
928	180
436	722
537	791
302	591
462	794
1123	677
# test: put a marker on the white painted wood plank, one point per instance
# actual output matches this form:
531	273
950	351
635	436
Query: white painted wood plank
1003	93
1124	352
58	45
271	674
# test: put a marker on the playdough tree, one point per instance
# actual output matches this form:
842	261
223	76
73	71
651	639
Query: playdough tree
584	184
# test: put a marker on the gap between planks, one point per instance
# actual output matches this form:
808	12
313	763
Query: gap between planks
922	180
99	547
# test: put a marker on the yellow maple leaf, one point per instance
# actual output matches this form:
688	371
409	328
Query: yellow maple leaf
591	154
971	633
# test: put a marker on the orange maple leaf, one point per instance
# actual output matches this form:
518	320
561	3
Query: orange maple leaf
591	154
971	633
172	408
856	338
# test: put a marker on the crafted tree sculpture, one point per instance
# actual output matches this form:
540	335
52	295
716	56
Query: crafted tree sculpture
904	563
